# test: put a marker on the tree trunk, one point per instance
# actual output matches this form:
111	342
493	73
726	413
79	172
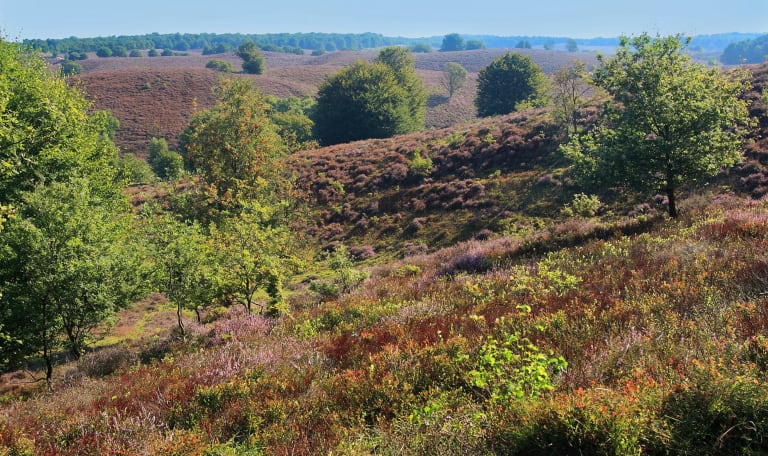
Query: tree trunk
74	345
672	205
178	316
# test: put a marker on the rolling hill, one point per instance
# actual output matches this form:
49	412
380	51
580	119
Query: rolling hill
156	96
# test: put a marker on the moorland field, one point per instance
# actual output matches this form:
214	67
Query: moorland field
475	315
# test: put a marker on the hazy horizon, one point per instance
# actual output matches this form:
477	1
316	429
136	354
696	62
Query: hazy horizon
557	18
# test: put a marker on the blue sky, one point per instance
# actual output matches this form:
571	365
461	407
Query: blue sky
21	19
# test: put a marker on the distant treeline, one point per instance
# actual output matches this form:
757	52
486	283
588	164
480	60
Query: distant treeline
281	42
738	45
748	51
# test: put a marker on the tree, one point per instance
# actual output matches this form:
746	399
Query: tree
523	44
474	44
421	48
64	268
452	42
219	65
569	91
255	251
68	68
454	78
571	45
165	163
671	122
400	61
104	52
291	116
185	265
234	148
363	101
510	81
46	131
253	59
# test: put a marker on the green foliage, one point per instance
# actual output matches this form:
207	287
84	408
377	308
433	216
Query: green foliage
510	81
672	122
256	252
65	267
104	52
454	78
135	53
569	94
582	205
292	117
184	264
219	65
345	276
46	132
152	53
253	59
119	51
165	163
571	45
523	44
513	368
68	68
234	148
133	170
370	100
474	44
167	52
452	42
420	165
423	48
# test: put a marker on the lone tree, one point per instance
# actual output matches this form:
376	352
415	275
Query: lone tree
371	100
509	82
253	59
234	148
452	42
671	121
570	91
454	78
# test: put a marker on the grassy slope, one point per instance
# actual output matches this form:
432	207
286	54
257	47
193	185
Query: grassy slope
664	330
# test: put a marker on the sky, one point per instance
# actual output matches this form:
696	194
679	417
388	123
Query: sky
27	19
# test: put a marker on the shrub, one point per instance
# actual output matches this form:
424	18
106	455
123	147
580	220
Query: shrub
583	205
106	361
165	163
69	68
219	65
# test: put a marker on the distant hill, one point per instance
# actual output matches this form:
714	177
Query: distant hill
156	96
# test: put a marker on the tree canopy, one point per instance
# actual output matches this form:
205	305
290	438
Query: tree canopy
371	100
509	81
234	147
671	121
253	59
452	42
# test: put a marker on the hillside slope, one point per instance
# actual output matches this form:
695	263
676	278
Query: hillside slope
156	96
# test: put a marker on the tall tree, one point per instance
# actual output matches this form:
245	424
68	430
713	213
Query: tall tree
401	61
508	82
64	268
234	148
570	89
671	122
253	59
46	131
454	77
